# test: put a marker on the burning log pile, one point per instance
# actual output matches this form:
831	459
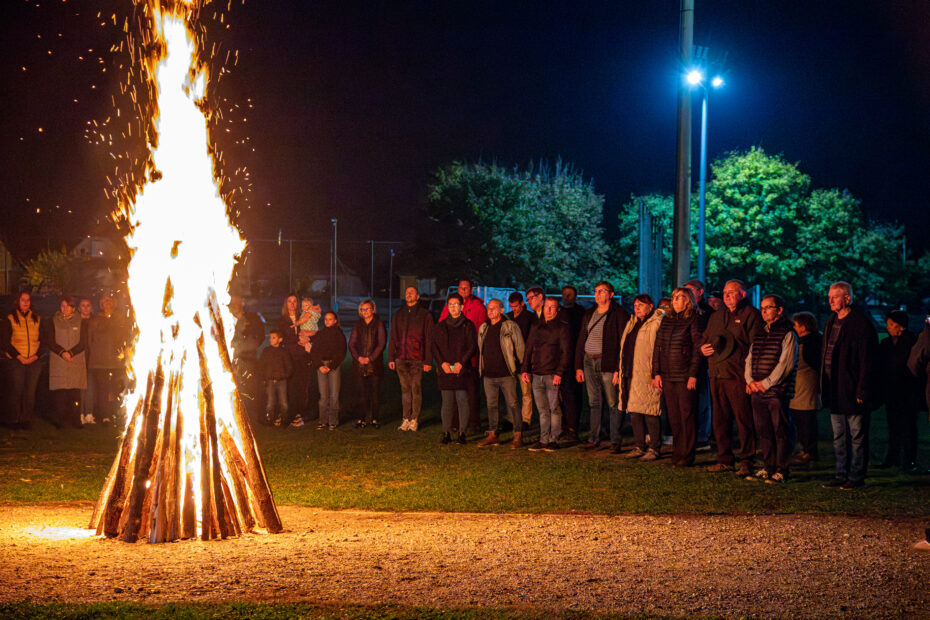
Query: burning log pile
188	465
150	493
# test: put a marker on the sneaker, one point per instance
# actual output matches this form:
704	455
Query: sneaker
444	438
332	427
569	436
413	426
298	422
651	455
745	469
834	483
551	447
702	446
489	440
360	424
635	453
717	468
404	426
462	439
777	478
88	419
802	457
590	446
537	447
374	423
851	485
320	426
760	475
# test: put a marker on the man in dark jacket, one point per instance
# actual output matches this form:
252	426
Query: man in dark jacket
847	379
900	392
737	322
570	389
524	319
704	425
408	354
547	357
597	358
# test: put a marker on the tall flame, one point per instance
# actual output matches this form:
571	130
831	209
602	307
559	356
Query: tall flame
183	252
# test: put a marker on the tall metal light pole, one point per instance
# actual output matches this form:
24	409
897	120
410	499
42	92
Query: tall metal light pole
696	78
335	223
681	240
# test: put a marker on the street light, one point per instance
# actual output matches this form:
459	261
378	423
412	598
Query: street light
696	78
335	222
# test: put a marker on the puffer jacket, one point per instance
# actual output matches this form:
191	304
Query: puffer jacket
677	353
643	398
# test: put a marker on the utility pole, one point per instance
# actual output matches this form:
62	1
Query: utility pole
681	240
335	222
371	281
390	290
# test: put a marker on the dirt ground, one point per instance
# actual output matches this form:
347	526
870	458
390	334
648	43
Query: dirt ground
796	565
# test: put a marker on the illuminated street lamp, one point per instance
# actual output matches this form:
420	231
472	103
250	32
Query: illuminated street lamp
696	78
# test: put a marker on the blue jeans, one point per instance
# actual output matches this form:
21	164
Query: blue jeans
329	384
493	386
275	394
546	396
600	384
851	445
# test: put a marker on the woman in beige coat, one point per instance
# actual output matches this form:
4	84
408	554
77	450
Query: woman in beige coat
67	371
637	396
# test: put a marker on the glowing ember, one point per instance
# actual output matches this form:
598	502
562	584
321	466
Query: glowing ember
188	465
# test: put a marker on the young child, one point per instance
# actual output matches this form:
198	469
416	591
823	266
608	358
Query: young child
309	320
275	366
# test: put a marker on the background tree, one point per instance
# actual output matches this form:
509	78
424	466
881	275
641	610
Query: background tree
626	248
514	228
50	272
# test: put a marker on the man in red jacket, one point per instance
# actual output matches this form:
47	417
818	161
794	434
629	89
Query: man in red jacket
474	311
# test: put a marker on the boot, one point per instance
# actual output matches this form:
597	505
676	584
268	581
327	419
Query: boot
489	440
517	442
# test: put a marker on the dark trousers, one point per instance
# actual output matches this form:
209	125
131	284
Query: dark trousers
66	407
474	404
371	386
806	424
570	391
646	425
410	375
901	416
248	384
682	410
770	414
730	402
23	381
298	385
108	386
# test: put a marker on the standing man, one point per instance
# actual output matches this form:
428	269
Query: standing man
704	427
770	370
525	319
408	354
535	298
847	378
729	334
547	358
247	338
500	353
108	334
474	311
597	358
571	387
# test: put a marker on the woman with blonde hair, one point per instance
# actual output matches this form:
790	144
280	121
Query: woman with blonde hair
675	364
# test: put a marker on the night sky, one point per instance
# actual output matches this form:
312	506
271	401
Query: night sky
354	104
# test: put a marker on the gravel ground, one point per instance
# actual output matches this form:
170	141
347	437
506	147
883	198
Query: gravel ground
795	565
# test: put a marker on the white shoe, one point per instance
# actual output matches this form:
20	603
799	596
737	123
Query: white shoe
412	426
88	419
404	426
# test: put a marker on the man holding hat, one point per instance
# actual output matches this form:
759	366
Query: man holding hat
729	334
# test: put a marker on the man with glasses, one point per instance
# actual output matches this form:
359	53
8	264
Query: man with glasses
729	334
535	298
597	358
770	370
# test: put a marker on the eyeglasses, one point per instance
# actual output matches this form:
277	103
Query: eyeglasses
767	307
601	290
367	309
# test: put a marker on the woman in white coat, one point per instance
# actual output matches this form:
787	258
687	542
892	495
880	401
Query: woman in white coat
637	396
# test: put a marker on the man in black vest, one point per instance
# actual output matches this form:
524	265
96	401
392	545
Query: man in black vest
848	387
770	368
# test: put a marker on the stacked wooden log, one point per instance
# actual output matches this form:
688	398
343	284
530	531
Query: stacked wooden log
150	490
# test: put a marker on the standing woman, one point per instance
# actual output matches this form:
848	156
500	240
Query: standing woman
804	405
298	347
23	350
67	368
329	350
366	343
454	344
676	361
637	395
86	310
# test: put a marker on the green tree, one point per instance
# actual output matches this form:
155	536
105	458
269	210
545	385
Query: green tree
515	228
50	272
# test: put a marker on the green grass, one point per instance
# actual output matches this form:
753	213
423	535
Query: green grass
384	469
272	611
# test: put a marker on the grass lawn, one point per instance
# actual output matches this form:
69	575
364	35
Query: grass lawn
385	469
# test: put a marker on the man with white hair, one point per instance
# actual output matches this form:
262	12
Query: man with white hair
847	378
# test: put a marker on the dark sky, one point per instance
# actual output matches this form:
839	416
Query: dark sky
355	103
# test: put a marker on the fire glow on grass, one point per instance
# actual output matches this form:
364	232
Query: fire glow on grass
188	465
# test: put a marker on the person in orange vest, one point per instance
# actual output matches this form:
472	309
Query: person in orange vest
24	349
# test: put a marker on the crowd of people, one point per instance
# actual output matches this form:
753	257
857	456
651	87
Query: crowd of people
708	363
